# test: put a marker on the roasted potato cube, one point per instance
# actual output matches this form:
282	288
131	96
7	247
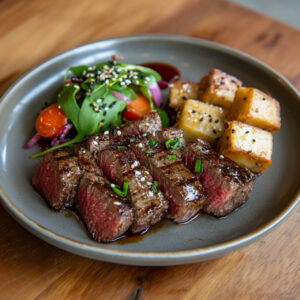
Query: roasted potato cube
248	146
201	120
180	91
218	88
254	107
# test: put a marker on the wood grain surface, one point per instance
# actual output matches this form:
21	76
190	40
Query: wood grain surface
33	31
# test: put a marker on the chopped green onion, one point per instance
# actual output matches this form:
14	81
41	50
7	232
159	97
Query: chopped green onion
171	156
154	186
198	166
122	193
132	140
121	147
152	143
173	144
149	151
199	147
125	188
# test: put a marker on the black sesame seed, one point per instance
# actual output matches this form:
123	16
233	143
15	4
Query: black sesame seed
256	110
193	111
201	119
214	131
249	151
184	98
226	125
244	98
209	116
247	132
104	114
233	81
264	98
217	138
227	137
210	120
222	82
217	121
253	140
233	130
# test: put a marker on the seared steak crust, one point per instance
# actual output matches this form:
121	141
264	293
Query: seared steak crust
184	192
121	166
57	178
227	184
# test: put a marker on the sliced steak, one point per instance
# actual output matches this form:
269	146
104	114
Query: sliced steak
106	216
148	124
170	133
184	192
227	184
122	166
57	178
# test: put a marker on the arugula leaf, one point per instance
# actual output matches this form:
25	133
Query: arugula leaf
77	71
165	121
67	101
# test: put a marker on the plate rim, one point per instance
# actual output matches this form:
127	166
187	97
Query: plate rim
148	257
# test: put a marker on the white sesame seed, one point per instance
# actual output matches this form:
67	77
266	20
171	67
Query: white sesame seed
221	156
95	143
117	203
106	132
144	134
151	194
136	172
143	179
119	132
112	185
149	183
140	145
106	108
76	86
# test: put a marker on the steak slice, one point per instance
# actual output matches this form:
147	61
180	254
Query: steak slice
122	166
105	214
227	184
170	133
57	178
148	124
184	192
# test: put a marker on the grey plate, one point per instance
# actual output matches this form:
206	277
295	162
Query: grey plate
274	194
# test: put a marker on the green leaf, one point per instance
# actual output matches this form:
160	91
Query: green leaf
144	90
77	71
144	70
128	92
67	101
165	121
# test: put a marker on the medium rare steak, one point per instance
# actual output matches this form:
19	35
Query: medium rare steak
184	192
106	215
149	204
57	178
227	184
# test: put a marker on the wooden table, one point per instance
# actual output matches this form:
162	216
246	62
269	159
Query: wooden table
33	31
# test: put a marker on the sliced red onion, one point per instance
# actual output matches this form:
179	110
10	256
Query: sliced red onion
33	140
61	136
121	97
163	84
155	93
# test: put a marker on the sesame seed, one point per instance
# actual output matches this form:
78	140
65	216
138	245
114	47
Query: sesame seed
249	151
217	121
140	145
214	131
136	172
210	120
193	111
227	137
233	130
221	156
256	110
253	140
244	98
247	132
151	193
149	183
143	179
112	185
119	132
106	132
201	119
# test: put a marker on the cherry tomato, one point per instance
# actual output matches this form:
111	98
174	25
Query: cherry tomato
137	108
50	121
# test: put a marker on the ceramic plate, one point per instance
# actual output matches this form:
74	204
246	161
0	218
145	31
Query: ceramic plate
274	194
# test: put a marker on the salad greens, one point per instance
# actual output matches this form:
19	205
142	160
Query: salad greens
90	100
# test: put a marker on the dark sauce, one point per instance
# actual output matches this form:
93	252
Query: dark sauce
167	72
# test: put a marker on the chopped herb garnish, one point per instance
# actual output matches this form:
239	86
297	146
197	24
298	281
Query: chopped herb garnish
121	192
199	147
132	140
149	151
173	144
121	147
154	187
171	156
198	166
152	143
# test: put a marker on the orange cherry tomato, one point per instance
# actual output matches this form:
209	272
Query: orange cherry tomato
137	108
50	121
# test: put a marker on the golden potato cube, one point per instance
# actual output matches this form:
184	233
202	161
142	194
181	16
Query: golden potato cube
218	88
254	107
201	120
180	91
248	146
